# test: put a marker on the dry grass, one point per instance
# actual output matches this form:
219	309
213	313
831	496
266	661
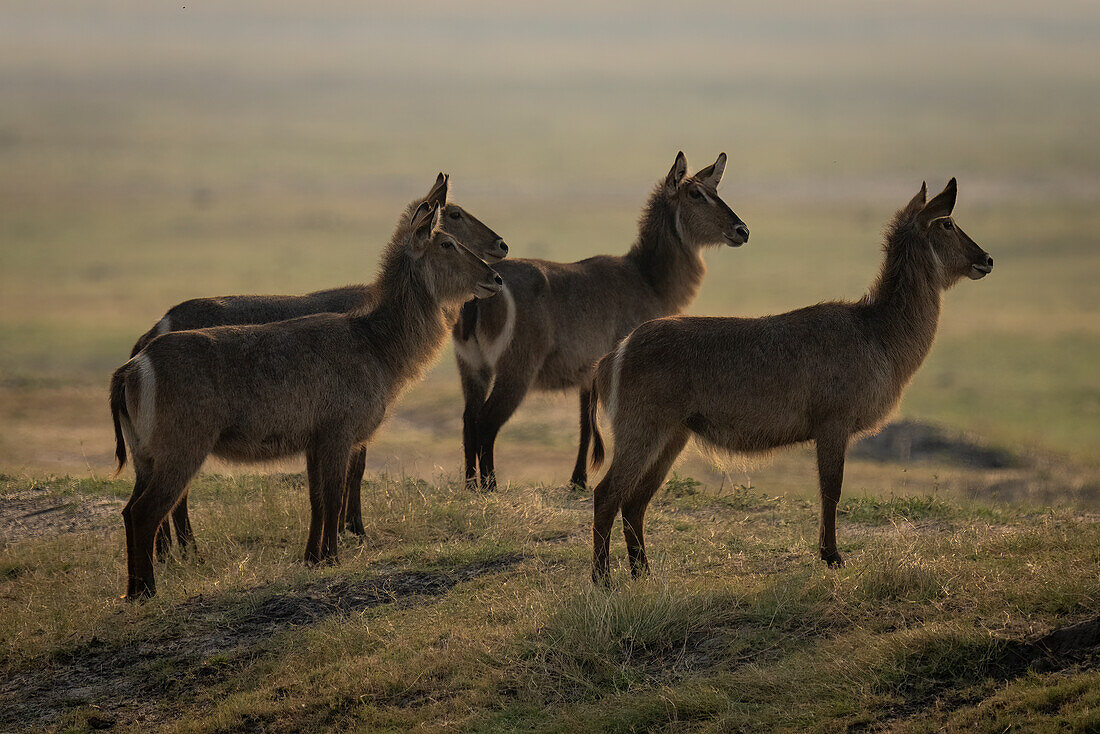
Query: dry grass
474	612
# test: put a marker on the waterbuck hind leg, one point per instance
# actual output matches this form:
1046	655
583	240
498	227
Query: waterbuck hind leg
635	505
163	545
636	450
475	387
185	537
580	469
352	515
508	392
605	507
830	469
143	471
145	514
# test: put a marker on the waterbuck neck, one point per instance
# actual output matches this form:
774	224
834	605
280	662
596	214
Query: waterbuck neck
407	326
672	267
903	306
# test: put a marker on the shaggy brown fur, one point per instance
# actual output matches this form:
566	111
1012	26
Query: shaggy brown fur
317	384
823	373
554	320
202	313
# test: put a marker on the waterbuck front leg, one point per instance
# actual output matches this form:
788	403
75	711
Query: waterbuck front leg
580	469
508	392
475	387
831	448
351	513
327	468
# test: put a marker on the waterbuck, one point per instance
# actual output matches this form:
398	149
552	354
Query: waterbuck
554	320
317	384
201	313
823	373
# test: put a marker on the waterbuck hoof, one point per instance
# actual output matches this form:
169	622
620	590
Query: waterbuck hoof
601	578
832	558
139	590
357	528
579	484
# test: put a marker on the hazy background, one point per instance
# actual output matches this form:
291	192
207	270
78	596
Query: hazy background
154	152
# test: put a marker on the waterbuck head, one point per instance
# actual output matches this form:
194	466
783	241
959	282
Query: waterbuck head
702	218
465	227
451	271
952	252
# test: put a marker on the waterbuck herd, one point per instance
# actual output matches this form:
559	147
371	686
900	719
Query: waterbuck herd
252	378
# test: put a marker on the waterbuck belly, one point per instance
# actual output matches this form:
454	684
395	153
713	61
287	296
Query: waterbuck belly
742	434
274	445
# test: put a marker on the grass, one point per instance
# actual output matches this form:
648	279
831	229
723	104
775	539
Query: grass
474	612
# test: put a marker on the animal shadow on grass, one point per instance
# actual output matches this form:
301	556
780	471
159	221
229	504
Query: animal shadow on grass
214	639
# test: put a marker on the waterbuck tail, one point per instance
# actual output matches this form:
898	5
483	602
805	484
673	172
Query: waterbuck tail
118	409
593	424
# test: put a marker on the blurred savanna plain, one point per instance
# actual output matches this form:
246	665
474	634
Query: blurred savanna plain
151	153
154	152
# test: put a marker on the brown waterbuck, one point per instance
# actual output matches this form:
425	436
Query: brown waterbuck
823	373
317	384
201	313
554	320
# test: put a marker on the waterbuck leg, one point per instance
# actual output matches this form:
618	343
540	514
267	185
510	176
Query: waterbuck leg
475	386
142	470
830	470
508	392
182	520
634	453
580	469
316	511
163	546
606	506
635	505
145	514
327	467
351	515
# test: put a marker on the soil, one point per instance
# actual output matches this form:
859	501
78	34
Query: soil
40	511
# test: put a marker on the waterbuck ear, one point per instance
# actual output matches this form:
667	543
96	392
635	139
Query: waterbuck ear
712	175
423	222
942	204
440	190
917	202
677	173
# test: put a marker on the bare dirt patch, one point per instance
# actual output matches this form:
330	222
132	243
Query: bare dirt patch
134	682
40	511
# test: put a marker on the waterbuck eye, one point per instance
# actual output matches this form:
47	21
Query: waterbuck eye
456	215
697	194
948	225
447	245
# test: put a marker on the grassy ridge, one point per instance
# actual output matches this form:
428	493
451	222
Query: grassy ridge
474	612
